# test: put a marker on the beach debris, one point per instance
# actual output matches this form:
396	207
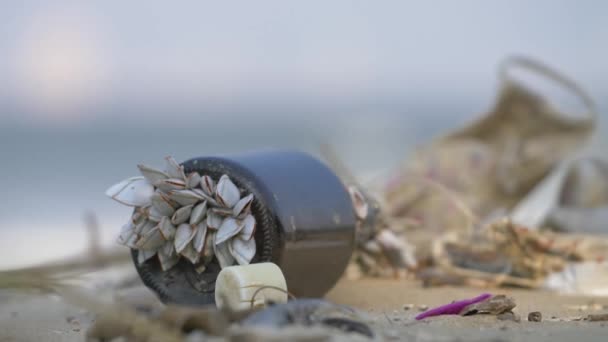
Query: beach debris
175	213
535	316
310	312
454	308
509	316
584	278
239	288
597	317
407	307
494	305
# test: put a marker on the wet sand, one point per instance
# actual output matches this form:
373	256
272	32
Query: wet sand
44	318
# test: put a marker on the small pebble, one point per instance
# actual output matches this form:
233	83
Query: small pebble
509	316
407	307
423	307
535	316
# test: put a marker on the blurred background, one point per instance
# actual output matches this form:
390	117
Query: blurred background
90	89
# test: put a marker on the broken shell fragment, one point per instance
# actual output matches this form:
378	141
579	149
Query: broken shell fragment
181	215
133	192
183	235
243	287
151	174
243	251
227	193
359	204
229	228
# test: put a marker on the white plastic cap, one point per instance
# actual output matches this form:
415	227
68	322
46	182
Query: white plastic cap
243	287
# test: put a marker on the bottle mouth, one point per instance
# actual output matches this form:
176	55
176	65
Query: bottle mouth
184	283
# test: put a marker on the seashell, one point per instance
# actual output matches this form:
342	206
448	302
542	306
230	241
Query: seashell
200	237
214	221
162	204
167	249
171	184
208	185
210	200
248	229
181	215
126	232
193	180
151	174
222	211
185	197
133	192
142	256
243	206
207	253
136	217
183	235
229	228
359	203
154	215
166	228
167	261
243	251
223	255
174	169
227	194
151	240
145	227
198	213
190	253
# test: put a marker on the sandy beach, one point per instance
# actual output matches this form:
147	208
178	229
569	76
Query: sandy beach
390	305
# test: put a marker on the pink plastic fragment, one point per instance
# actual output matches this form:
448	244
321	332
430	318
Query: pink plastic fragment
453	308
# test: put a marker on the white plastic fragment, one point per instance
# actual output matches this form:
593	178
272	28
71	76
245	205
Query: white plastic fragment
240	288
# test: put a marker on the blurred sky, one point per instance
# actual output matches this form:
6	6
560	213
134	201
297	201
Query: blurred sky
90	88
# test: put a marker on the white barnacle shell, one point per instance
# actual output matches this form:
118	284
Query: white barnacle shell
222	253
171	184
151	174
243	206
181	215
229	228
214	221
174	169
198	213
227	193
167	228
134	192
143	255
359	204
162	204
184	234
248	229
192	180
190	253
167	259
243	251
208	185
151	240
185	197
200	237
127	231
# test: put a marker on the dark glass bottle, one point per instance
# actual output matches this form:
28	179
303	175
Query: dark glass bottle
305	225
